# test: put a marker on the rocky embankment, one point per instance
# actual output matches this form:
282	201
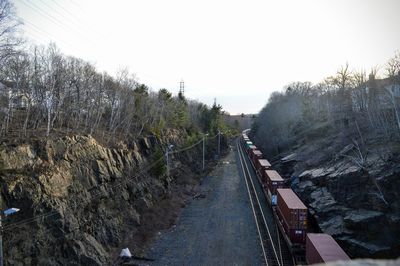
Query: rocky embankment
353	196
93	200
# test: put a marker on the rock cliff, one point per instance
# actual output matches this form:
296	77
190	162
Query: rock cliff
352	196
89	200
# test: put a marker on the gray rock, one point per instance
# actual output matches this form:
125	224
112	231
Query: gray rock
357	217
93	191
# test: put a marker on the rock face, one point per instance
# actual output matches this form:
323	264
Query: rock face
358	205
89	198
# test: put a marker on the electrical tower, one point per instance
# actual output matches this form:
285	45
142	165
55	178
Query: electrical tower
182	88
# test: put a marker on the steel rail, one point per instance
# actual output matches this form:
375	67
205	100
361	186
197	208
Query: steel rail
252	204
259	205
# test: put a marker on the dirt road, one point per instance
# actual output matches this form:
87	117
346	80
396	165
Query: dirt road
217	229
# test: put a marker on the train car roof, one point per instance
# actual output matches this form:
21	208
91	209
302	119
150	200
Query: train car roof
291	199
327	247
264	162
274	175
257	152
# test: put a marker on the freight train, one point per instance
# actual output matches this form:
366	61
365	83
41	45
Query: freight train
290	213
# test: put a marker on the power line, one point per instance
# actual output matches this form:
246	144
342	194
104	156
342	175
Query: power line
89	27
47	34
95	196
29	220
60	13
52	19
82	27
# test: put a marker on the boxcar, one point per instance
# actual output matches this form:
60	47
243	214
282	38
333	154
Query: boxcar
274	181
254	156
250	148
322	248
292	214
261	166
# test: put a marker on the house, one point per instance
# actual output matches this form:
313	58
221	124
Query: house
12	98
20	101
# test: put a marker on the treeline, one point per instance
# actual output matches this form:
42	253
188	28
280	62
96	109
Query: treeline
44	92
348	102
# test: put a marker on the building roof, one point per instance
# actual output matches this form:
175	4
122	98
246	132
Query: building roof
291	199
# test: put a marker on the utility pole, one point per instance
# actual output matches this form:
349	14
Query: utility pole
167	150
219	143
204	151
166	159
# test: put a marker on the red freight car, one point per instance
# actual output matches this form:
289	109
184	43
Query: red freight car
261	166
274	181
254	156
292	215
250	148
322	248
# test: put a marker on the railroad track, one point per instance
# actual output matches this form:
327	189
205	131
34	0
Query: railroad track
275	251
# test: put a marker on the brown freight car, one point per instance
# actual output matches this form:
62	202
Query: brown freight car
261	166
274	181
292	214
322	248
254	156
250	148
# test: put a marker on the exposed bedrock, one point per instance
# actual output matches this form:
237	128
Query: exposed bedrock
360	207
92	197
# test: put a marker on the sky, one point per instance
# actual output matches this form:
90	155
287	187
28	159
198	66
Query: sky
238	52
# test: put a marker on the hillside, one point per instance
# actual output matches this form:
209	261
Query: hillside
83	156
337	145
239	122
359	205
81	202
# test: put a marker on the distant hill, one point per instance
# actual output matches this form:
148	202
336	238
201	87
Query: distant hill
240	122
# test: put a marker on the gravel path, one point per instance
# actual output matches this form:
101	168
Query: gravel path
216	230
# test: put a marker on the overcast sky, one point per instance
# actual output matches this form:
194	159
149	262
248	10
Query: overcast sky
236	51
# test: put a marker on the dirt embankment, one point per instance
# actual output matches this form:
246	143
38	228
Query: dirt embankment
92	200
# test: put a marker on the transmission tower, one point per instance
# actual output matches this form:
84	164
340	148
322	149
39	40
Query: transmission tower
182	88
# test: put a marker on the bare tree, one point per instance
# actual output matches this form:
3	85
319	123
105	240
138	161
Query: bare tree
9	37
393	90
393	65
